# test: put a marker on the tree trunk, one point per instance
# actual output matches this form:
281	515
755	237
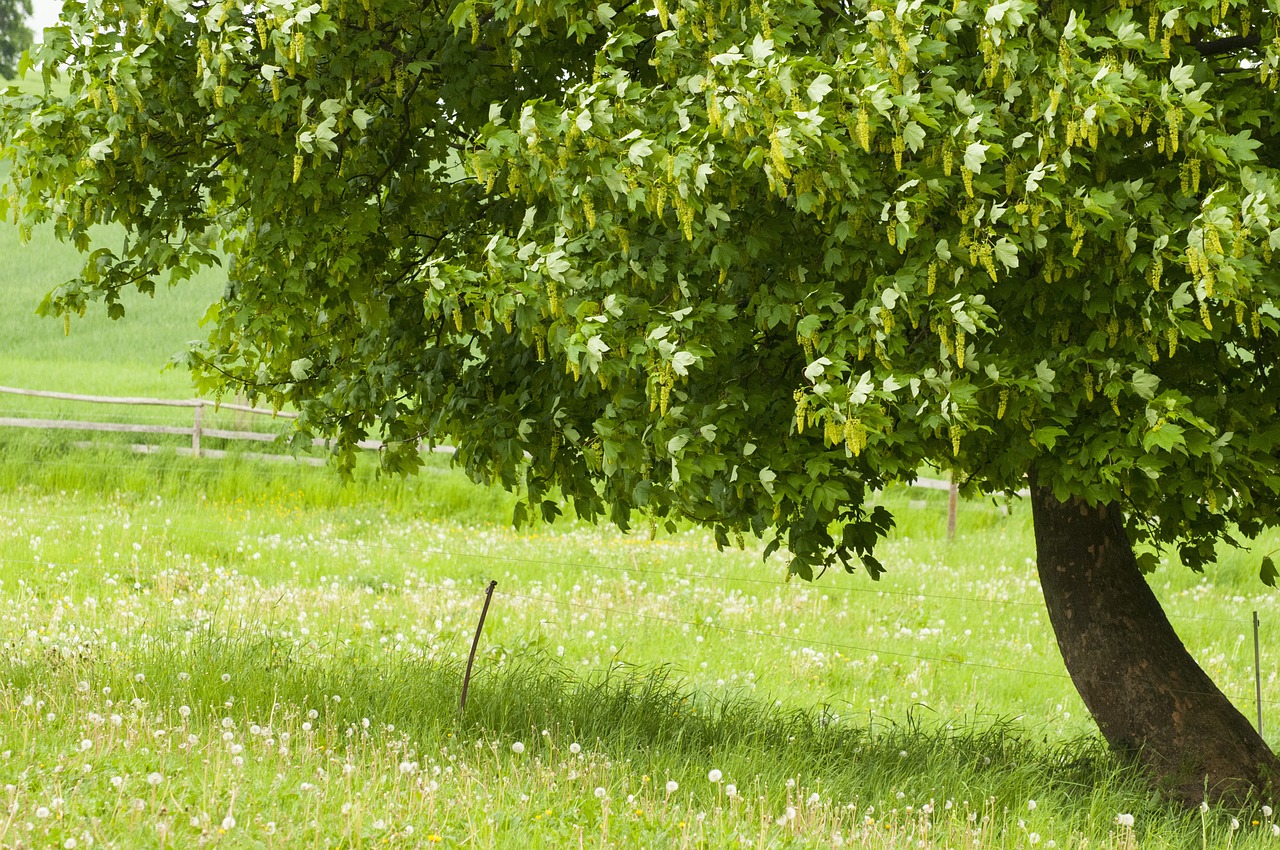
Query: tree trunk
1146	692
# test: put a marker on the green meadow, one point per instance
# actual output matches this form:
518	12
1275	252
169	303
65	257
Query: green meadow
246	653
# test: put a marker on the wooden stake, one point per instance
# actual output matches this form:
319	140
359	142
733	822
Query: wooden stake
475	642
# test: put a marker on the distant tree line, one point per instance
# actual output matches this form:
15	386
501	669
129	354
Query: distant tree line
15	35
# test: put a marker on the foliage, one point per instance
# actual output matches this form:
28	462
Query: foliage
15	35
735	263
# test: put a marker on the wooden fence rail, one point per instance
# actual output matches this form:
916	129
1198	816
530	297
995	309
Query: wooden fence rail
197	429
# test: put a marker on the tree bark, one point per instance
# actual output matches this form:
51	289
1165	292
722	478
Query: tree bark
1148	695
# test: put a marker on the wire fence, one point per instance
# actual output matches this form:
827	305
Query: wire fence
536	595
539	596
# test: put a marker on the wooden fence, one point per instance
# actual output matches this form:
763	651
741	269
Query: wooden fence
198	430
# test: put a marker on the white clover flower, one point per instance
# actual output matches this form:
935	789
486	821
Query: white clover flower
517	748
1125	820
714	775
672	786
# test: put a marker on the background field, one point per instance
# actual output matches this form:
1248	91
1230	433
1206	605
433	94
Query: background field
259	655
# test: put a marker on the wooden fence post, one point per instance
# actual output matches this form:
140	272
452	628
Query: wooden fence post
195	431
953	500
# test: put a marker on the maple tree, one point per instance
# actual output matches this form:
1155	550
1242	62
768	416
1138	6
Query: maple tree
734	263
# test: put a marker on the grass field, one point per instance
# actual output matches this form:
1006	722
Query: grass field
258	655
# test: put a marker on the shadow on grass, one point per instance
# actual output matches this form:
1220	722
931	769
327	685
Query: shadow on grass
649	718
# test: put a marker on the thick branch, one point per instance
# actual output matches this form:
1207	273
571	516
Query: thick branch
1220	46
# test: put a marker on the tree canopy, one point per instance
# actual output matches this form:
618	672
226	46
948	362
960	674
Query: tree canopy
15	35
737	263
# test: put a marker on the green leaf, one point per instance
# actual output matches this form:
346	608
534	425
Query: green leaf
913	135
819	88
1267	572
1182	76
1006	252
1165	436
1145	384
975	155
1048	436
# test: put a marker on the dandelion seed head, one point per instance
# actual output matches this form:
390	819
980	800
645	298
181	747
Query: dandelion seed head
517	748
672	786
714	775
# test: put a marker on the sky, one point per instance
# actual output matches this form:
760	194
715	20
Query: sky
44	13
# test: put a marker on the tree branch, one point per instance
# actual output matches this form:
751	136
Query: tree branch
1231	44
